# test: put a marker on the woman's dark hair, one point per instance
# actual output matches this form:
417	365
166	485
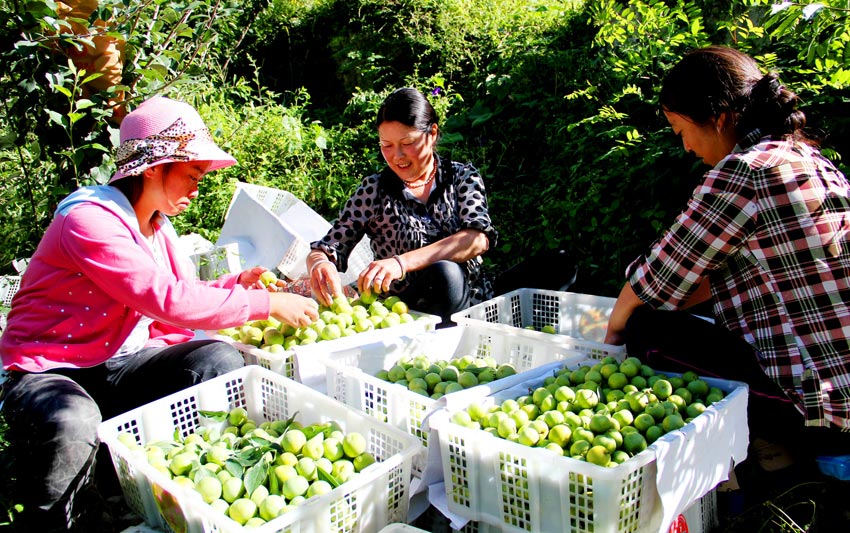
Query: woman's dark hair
410	107
131	186
712	80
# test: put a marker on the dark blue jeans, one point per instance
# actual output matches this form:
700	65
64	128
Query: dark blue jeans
440	289
53	419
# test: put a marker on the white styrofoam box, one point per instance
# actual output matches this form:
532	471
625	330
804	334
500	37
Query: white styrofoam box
296	226
375	497
583	317
305	363
521	489
351	373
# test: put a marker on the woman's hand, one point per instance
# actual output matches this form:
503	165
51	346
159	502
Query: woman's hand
256	278
293	309
324	280
378	276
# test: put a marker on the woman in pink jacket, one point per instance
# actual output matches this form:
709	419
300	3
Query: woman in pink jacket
103	320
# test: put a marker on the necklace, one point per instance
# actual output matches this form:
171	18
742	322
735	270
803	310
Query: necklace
426	182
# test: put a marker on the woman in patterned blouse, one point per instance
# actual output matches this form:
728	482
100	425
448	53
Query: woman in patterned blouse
764	237
426	217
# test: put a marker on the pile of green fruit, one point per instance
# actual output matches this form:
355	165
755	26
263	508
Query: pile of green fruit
603	414
438	378
548	328
255	473
346	316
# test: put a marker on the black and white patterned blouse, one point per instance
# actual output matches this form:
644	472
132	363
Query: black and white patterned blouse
396	222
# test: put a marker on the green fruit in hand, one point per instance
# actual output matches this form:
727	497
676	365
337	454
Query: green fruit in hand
341	305
268	278
368	298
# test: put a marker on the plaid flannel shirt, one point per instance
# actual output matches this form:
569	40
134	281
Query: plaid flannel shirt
770	229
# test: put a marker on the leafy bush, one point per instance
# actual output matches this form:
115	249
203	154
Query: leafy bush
555	102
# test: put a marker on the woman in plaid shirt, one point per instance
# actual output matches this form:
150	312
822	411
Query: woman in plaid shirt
764	237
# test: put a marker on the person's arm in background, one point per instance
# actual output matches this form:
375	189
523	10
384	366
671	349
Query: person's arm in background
625	305
464	245
628	301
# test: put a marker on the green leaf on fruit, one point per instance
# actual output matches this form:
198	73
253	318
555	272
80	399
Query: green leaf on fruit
288	423
325	476
218	416
249	456
234	467
256	476
315	429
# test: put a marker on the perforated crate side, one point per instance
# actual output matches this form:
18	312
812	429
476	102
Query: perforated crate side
275	200
9	286
375	497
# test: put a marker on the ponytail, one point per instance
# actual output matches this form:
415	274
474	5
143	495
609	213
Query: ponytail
717	79
772	108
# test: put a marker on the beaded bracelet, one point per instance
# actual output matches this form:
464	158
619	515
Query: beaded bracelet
401	265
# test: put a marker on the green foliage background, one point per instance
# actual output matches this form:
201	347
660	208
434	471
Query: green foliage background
555	101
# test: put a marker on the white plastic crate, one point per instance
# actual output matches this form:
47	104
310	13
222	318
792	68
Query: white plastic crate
351	373
522	489
377	496
580	317
401	528
700	517
293	226
9	285
303	363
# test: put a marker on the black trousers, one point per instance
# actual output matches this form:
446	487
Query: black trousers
53	419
